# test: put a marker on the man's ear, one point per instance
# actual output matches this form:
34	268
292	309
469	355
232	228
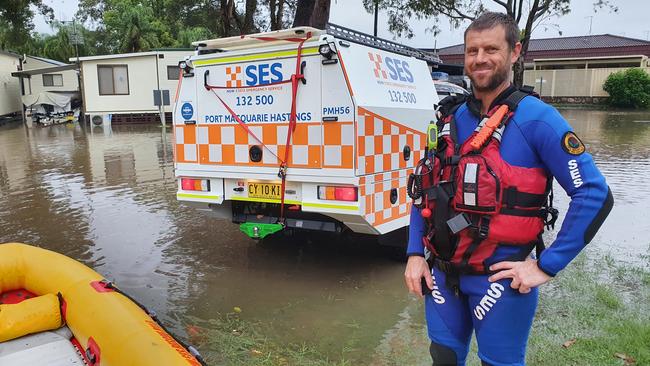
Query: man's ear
516	51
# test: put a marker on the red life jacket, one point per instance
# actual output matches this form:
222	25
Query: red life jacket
474	201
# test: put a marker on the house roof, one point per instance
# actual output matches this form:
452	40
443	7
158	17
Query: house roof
133	54
44	70
47	60
566	43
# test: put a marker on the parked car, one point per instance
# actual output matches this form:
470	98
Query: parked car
444	89
439	75
460	80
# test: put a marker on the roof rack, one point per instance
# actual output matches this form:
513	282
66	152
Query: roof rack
376	42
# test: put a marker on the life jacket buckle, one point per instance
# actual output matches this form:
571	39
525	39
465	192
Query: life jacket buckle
484	227
452	160
444	266
549	221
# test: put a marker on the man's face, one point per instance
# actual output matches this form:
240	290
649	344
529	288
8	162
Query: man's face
488	58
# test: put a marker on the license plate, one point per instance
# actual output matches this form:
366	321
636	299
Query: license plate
264	190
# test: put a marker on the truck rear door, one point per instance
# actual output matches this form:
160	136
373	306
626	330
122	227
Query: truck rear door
263	105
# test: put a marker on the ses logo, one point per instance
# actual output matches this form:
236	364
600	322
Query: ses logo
253	75
398	70
187	111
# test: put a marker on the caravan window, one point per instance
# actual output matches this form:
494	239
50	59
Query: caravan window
52	79
113	79
172	72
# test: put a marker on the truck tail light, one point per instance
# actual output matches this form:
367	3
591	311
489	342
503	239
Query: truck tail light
338	193
189	184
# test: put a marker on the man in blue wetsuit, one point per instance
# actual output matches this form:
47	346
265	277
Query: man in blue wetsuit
499	303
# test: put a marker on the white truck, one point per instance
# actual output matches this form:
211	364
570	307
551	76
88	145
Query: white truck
362	106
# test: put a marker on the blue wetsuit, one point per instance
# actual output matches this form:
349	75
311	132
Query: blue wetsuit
536	136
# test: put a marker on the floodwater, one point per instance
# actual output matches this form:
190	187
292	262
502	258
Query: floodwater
106	196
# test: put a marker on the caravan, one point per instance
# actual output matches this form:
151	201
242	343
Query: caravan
302	128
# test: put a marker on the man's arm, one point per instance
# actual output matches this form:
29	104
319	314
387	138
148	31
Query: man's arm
591	199
416	232
416	267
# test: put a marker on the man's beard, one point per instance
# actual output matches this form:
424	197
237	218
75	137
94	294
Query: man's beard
500	76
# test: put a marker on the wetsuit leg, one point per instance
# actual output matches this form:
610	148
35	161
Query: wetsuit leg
502	319
449	323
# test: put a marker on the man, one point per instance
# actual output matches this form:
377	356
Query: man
477	280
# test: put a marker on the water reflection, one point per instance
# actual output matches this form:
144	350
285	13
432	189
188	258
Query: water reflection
620	143
106	196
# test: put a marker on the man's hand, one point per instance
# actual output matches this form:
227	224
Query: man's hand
525	275
416	269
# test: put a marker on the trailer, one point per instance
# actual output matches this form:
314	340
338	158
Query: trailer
303	129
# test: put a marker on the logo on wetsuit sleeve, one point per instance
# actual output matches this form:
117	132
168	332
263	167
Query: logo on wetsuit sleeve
575	173
490	298
436	294
572	144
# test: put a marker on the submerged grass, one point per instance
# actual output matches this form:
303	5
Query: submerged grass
596	312
231	340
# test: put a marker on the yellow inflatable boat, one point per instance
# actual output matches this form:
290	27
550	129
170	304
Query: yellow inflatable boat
56	311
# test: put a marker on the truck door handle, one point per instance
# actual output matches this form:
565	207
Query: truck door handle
205	79
302	72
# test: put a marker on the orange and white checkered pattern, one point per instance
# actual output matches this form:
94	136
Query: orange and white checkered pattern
232	76
313	145
380	144
375	191
376	59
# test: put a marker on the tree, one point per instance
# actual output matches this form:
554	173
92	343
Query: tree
276	10
530	13
313	13
629	88
133	27
16	22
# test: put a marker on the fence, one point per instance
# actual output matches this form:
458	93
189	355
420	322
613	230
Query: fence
571	82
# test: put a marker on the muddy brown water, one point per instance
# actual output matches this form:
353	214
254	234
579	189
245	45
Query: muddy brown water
106	196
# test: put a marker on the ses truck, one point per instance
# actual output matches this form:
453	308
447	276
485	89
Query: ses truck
302	128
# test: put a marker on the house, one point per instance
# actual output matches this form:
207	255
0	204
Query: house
42	74
572	69
120	88
10	103
578	79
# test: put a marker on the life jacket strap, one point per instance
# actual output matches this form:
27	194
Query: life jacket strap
514	198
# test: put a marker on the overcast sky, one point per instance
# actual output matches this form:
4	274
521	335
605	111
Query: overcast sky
630	21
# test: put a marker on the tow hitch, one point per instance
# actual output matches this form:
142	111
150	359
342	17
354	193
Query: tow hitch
258	230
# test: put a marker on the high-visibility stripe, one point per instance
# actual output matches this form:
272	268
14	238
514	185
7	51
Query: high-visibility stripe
259	56
266	200
470	178
328	205
197	196
290	202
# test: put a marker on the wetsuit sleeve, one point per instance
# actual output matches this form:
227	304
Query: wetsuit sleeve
576	172
416	231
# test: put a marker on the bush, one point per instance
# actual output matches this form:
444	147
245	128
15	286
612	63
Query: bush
629	88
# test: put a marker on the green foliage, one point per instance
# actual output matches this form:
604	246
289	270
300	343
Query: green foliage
16	22
188	35
629	88
133	27
137	25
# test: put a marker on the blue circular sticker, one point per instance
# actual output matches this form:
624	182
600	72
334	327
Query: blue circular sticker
187	111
